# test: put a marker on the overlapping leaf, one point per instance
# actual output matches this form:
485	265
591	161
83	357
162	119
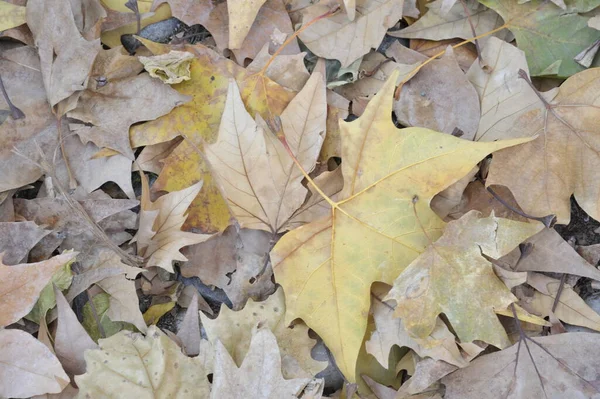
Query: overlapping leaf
381	223
260	181
563	159
453	277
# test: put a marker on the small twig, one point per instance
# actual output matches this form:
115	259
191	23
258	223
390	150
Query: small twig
548	220
133	6
464	4
15	112
559	292
48	170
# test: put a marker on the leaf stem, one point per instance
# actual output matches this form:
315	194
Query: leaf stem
15	112
328	14
548	220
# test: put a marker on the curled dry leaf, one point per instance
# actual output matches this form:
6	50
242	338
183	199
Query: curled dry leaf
171	68
159	237
453	277
28	279
133	365
544	173
390	175
28	366
551	367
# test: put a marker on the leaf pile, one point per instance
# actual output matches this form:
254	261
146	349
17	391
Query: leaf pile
299	199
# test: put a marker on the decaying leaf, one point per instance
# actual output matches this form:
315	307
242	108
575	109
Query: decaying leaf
171	68
28	366
159	237
234	331
336	36
17	240
259	376
453	277
554	367
382	222
27	280
550	36
544	173
130	364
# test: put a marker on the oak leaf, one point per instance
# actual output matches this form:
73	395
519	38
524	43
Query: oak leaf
259	180
544	173
133	365
159	237
453	277
382	222
259	376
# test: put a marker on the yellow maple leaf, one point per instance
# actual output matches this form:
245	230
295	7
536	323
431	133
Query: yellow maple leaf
381	223
198	121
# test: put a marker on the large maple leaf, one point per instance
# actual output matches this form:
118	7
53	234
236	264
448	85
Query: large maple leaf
381	223
198	121
563	159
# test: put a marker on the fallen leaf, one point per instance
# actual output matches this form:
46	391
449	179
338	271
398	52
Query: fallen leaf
155	312
47	300
234	331
241	16
171	68
429	99
551	254
570	308
198	121
130	364
465	55
66	57
390	331
11	15
336	36
28	366
108	109
259	179
543	174
479	199
327	277
453	277
189	330
95	320
504	96
22	78
152	156
159	237
124	304
71	339
28	280
69	229
239	253
17	240
547	367
549	36
434	25
259	376
287	70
